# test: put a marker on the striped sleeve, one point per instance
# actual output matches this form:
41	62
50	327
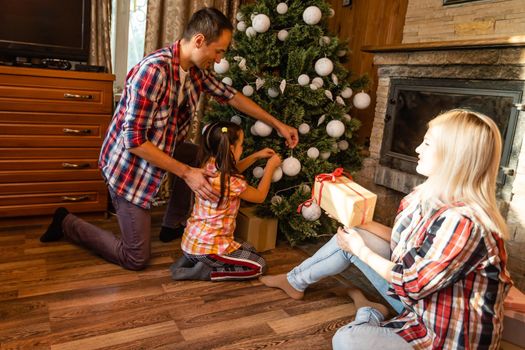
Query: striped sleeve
217	89
452	247
145	88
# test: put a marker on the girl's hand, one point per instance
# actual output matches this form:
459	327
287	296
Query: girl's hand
264	153
350	241
274	161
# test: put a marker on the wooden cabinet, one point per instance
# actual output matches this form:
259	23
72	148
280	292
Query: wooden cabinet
52	124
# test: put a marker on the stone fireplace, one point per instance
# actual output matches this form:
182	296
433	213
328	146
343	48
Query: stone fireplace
415	82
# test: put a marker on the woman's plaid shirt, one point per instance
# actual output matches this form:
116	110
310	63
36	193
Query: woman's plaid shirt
148	111
451	275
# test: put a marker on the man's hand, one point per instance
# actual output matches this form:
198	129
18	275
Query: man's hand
290	134
197	180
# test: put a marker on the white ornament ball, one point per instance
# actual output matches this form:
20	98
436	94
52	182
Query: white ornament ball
282	8
227	81
324	67
318	82
258	172
239	16
250	32
347	117
261	23
273	92
303	79
236	119
331	12
247	90
253	131
262	129
276	200
304	129
291	166
343	145
325	155
241	26
341	53
311	212
221	67
277	174
324	40
335	128
346	93
314	87
312	15
252	16
361	100
312	152
282	35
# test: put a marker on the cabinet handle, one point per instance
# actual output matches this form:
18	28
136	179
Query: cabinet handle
78	97
76	131
75	166
74	199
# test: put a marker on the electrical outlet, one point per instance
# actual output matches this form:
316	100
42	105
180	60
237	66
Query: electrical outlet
347	2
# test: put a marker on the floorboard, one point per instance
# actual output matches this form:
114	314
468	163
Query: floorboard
58	296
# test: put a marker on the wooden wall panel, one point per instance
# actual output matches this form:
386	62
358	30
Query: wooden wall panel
368	22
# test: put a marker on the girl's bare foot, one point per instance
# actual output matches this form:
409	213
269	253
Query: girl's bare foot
360	301
281	282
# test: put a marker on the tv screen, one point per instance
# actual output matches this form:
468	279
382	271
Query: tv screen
56	29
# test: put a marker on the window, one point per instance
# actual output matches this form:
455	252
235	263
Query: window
128	30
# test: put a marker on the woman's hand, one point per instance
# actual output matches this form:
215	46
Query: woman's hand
264	153
350	241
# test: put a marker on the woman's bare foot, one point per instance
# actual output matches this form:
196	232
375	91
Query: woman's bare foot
281	282
360	301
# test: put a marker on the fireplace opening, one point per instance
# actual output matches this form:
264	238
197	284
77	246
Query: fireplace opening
412	103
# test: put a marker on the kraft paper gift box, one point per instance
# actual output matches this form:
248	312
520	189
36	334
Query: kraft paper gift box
343	199
514	321
260	232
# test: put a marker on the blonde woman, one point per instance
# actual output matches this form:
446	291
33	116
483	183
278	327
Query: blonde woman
445	272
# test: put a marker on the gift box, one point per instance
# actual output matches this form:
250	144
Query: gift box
343	199
514	321
260	232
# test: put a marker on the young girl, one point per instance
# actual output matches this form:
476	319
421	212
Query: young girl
445	273
210	251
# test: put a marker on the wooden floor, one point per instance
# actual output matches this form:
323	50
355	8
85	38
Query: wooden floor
59	296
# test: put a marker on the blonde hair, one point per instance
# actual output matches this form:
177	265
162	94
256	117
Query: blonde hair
468	152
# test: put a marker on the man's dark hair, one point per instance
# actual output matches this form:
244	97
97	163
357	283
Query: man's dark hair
208	21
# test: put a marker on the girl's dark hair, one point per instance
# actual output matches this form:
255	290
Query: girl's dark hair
208	21
216	141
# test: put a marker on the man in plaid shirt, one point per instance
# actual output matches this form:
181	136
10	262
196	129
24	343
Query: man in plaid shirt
152	118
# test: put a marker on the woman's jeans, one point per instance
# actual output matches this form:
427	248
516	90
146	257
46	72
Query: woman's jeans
365	332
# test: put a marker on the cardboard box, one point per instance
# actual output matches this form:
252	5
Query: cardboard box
345	200
513	326
260	232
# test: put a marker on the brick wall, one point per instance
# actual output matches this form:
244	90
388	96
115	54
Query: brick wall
429	20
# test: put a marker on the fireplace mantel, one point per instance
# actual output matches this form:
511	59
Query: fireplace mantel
514	41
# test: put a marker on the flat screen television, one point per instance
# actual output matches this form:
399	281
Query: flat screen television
54	29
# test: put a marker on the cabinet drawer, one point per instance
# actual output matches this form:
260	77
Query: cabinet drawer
33	154
43	198
12	171
54	94
19	129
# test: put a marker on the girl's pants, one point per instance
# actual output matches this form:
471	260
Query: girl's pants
244	263
331	260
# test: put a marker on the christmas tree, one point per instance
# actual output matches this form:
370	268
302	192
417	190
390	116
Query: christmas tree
283	57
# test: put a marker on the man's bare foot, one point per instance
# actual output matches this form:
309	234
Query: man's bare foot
360	301
281	282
